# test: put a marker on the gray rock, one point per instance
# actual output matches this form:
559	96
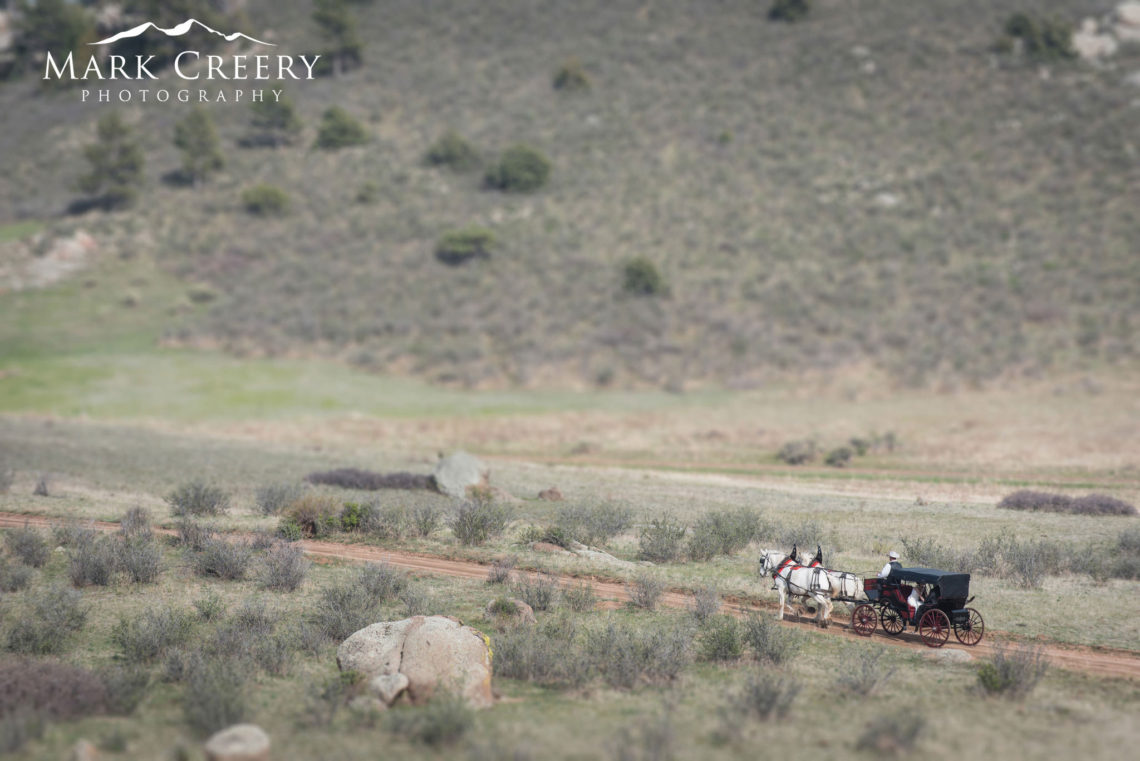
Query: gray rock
241	742
388	687
950	655
457	472
375	649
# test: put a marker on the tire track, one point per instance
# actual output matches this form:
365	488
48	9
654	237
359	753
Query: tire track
1108	662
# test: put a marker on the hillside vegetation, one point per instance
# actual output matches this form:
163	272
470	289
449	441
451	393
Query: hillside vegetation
871	186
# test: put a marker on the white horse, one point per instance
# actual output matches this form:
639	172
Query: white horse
843	583
794	580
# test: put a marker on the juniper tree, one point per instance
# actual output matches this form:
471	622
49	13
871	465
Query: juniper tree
117	163
273	122
339	25
201	150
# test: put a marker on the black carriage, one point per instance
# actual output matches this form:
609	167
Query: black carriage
942	611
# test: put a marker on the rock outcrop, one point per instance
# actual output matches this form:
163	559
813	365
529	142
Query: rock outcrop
458	472
241	742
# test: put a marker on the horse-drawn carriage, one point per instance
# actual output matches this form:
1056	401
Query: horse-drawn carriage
941	611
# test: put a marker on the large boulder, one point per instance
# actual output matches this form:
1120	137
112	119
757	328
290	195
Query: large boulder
241	742
434	653
1128	21
458	472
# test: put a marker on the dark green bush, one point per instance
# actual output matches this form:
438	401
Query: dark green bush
339	129
28	545
1043	37
839	457
451	150
265	201
797	452
789	10
640	277
521	169
571	77
273	122
316	514
198	498
210	605
460	246
660	540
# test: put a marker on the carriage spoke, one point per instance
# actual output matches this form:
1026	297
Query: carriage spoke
971	631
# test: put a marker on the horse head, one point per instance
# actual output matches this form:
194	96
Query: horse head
770	560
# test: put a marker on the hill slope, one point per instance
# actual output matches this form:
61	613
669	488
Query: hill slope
871	187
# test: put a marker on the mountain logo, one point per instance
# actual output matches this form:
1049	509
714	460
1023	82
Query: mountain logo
176	31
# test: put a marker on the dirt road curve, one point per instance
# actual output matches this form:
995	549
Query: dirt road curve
1100	661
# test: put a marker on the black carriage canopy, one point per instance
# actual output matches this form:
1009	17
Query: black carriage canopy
951	585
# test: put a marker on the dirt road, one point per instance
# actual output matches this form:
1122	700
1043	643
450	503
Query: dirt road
1099	661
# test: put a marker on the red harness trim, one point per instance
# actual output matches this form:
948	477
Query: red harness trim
784	565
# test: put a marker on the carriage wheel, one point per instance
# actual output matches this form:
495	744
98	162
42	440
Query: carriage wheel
863	620
970	631
934	628
892	620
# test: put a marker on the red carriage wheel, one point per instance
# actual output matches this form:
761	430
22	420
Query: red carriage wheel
970	631
934	628
892	620
863	620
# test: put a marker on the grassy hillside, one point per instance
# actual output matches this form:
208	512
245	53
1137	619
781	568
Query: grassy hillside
870	187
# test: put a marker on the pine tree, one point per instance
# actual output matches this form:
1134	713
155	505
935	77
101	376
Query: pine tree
273	123
52	26
201	150
339	25
117	163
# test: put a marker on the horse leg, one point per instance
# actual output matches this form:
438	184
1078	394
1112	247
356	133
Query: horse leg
780	589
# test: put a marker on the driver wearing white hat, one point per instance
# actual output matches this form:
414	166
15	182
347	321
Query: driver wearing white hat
892	562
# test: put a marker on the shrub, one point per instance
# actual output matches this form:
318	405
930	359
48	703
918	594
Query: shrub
721	639
723	532
476	522
840	457
571	77
593	525
763	696
381	581
197	138
141	558
226	560
55	614
443	721
316	514
214	697
650	739
146	637
384	522
49	688
500	570
545	655
339	129
1012	673
273	498
640	277
580	597
41	489
265	200
892	735
92	561
768	641
365	480
1042	37
789	10
272	123
539	591
924	551
625	655
806	534
28	545
460	246
660	540
126	686
367	193
193	535
645	591
117	161
210	605
18	728
289	530
797	452
1124	562
1092	504
867	668
69	533
425	520
343	609
198	498
521	169
350	515
451	150
7	478
285	568
706	604
136	524
14	576
416	600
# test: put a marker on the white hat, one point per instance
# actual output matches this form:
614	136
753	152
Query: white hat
893	555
